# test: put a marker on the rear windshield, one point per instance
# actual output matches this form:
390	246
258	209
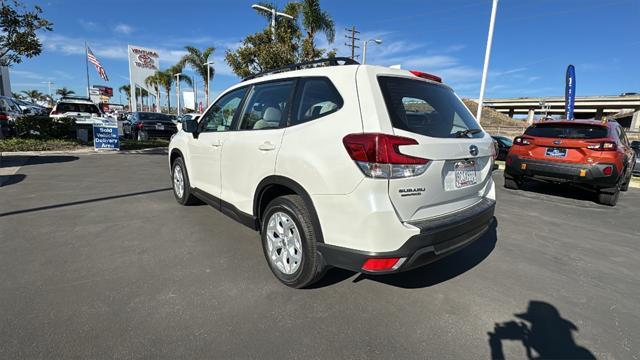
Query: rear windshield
154	116
427	109
568	131
70	107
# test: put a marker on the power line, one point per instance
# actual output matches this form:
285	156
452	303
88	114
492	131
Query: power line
353	39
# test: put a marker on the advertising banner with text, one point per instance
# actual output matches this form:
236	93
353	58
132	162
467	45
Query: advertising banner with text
143	62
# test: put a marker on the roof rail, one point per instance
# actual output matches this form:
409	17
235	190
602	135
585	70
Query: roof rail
320	62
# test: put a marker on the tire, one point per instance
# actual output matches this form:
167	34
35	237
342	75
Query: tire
625	185
181	185
302	265
511	183
609	199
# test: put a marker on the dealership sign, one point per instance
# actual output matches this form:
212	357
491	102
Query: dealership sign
143	62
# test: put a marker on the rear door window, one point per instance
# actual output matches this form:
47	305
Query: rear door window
266	106
568	131
427	109
317	98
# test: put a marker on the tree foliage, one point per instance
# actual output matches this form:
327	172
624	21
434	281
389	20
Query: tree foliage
197	60
64	92
18	31
262	51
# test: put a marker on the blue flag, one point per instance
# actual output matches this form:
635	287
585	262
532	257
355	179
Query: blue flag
570	92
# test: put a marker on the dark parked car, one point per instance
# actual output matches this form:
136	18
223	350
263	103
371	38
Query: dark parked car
635	145
504	144
148	125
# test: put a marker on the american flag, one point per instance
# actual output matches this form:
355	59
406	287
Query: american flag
92	59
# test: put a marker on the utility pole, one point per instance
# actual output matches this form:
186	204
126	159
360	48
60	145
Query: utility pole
353	39
487	55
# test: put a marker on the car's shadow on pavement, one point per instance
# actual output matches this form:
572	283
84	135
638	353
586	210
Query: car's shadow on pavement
429	275
559	190
6	180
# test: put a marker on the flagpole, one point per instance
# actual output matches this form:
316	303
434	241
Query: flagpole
86	61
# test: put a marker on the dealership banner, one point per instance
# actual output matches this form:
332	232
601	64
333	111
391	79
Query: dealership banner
570	92
143	62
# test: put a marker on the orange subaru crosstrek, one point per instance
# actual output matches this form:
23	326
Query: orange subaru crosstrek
590	153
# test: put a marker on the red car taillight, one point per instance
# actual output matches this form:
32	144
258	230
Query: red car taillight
139	126
379	156
603	146
520	140
4	117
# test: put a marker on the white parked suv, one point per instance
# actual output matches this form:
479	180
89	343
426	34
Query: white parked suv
361	167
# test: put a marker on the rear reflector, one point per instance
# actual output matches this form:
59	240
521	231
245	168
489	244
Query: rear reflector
380	264
427	76
607	171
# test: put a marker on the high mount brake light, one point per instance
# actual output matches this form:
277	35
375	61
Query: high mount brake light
379	156
521	141
427	76
603	146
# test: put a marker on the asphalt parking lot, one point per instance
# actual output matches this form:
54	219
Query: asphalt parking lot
98	261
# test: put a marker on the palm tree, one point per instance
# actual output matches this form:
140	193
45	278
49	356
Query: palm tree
17	95
315	20
197	60
33	95
153	81
64	92
171	78
126	89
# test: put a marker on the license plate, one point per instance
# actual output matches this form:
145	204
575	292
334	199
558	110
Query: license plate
159	127
465	172
556	153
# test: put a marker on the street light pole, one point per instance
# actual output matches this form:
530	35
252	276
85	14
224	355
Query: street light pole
364	48
208	63
273	13
178	90
49	83
487	55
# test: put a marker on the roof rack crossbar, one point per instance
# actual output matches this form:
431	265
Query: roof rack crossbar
326	62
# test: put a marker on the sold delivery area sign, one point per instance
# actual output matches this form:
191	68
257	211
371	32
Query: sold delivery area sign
105	134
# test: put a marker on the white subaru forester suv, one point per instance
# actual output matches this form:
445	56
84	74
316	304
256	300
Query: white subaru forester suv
361	167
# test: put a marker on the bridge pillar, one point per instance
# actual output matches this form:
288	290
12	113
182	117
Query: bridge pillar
599	113
635	121
511	112
530	116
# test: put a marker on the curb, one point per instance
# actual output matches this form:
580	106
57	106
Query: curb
91	151
635	181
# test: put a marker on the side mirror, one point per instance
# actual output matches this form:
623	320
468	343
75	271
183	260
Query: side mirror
190	126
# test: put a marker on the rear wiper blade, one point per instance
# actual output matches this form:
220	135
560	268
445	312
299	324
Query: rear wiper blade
463	133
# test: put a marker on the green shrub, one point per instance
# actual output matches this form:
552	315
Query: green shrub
18	144
45	127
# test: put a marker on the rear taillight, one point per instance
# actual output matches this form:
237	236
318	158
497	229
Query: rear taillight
4	117
139	126
520	140
603	146
378	264
379	156
607	171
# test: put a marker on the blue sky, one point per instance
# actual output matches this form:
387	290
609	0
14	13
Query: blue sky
533	43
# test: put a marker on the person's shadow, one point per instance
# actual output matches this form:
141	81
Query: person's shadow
543	333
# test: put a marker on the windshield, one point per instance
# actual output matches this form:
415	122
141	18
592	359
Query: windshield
427	109
154	116
71	107
568	131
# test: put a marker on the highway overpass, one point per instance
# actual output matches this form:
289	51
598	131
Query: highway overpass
624	108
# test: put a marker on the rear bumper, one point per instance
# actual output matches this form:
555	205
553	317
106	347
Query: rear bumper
437	239
588	174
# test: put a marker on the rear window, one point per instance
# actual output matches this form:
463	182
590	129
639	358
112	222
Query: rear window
154	116
427	109
70	107
568	131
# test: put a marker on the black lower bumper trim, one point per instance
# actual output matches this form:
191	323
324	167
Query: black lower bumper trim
437	239
587	174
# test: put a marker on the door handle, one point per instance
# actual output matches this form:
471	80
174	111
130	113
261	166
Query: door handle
266	146
216	143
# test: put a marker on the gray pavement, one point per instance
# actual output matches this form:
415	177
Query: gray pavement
98	261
